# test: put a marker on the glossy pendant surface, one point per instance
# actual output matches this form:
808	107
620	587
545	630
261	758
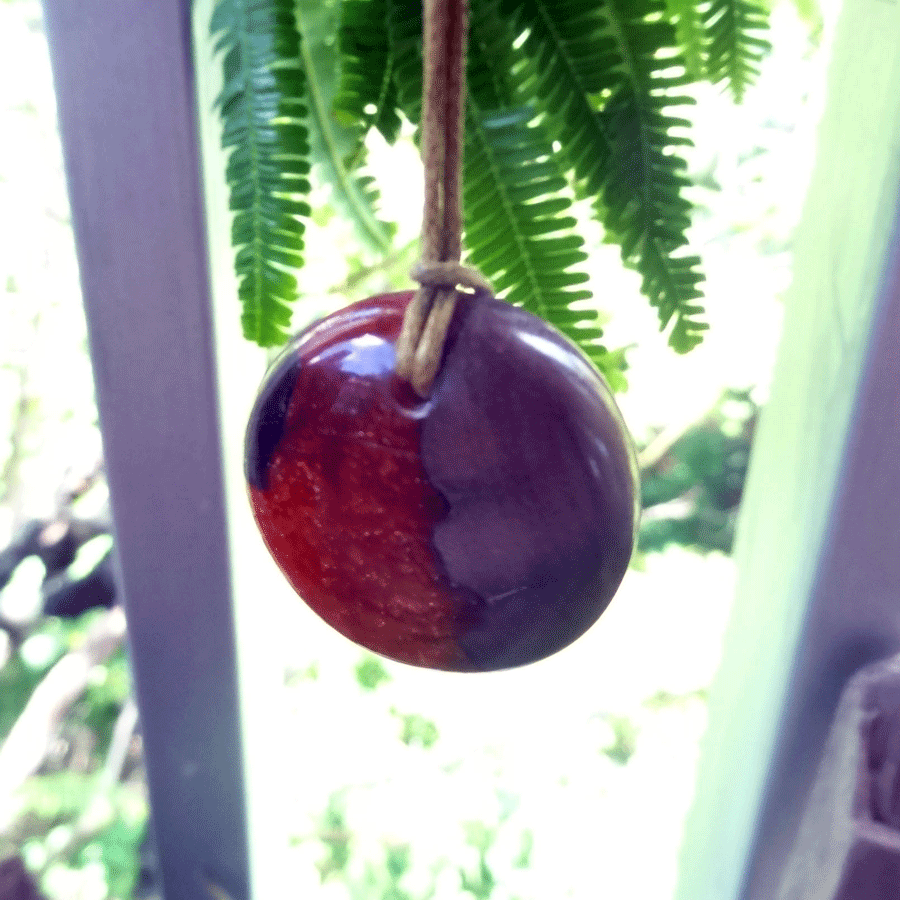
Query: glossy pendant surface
485	528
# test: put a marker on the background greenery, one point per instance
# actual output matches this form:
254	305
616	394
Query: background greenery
591	760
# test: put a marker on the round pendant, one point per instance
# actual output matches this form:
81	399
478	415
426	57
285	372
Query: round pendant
484	528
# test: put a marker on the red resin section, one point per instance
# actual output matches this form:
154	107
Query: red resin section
348	512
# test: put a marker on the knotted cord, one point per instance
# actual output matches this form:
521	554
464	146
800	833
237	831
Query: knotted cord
440	273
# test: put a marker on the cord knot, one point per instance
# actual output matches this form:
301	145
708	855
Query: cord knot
449	275
427	318
426	322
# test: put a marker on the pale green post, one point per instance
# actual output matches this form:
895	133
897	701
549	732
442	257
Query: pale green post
824	414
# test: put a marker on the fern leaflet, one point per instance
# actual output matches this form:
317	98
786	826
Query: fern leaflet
368	93
735	43
336	149
265	133
516	233
602	75
519	226
691	32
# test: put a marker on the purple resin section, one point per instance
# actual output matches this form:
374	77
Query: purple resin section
525	442
267	420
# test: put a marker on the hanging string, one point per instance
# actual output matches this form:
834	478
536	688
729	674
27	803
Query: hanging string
439	273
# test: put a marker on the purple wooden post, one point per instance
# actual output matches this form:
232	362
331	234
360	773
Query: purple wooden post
125	85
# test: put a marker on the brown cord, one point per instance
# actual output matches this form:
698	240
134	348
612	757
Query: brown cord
427	319
444	274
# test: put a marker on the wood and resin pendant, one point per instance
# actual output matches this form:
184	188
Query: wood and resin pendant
486	527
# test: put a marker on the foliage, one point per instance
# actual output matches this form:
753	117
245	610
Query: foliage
370	672
68	842
569	100
17	681
336	148
734	47
387	871
416	729
73	821
691	495
262	104
624	742
102	702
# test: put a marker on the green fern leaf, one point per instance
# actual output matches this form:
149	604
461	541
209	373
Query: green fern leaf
265	133
735	44
571	61
602	74
404	21
336	149
691	33
368	92
643	207
518	206
517	232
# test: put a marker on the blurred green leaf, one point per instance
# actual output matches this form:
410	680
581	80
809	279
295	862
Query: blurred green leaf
624	739
370	672
417	729
336	836
336	145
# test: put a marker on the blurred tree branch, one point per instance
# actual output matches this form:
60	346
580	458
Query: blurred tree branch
99	813
29	740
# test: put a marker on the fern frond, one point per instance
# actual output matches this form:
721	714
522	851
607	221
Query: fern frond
336	149
643	208
513	206
735	43
690	30
571	61
368	92
265	132
602	74
517	232
518	205
517	210
404	18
